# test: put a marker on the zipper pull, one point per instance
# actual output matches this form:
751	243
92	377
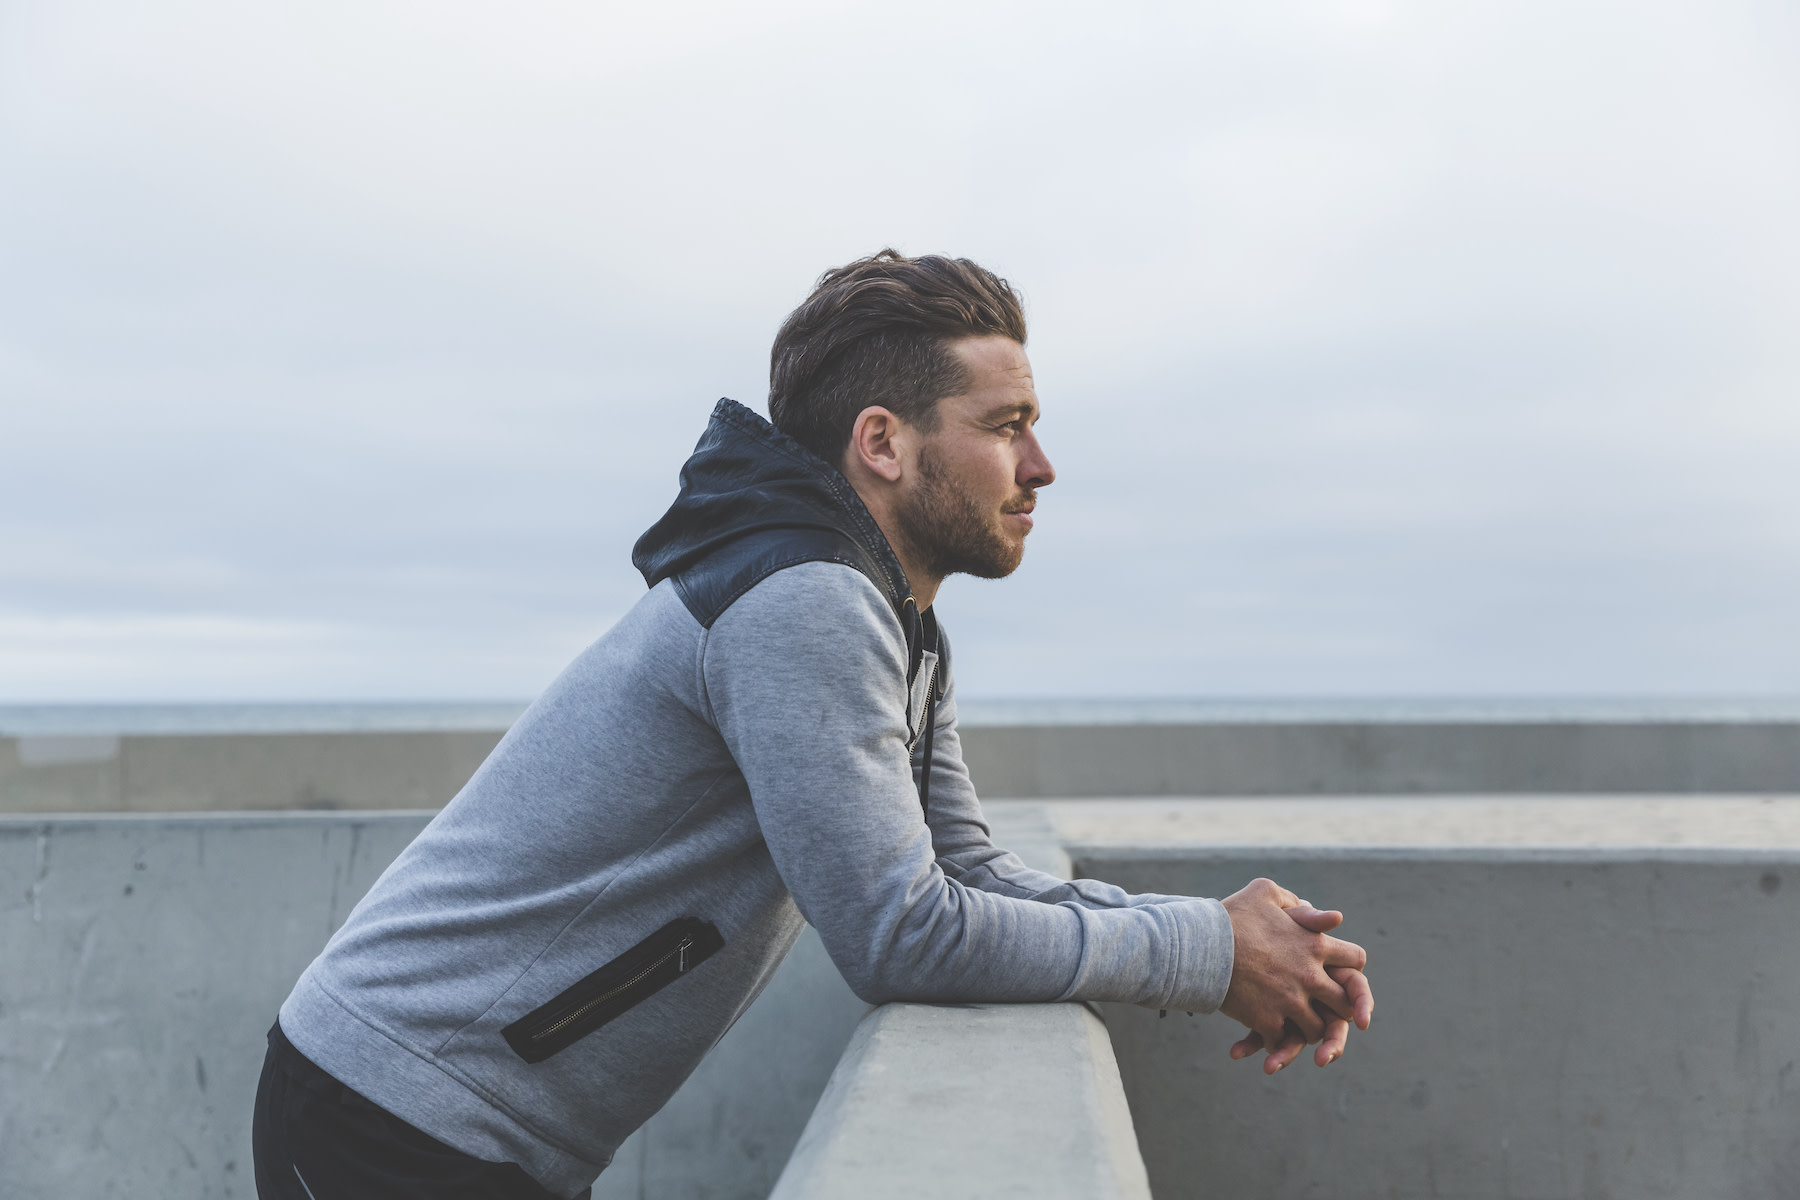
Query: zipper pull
681	961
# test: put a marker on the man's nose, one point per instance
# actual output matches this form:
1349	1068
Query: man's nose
1035	470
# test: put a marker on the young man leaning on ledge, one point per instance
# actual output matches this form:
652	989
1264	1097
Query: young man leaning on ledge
768	738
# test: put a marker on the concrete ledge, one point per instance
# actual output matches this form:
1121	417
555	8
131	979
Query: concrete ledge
1740	822
971	1101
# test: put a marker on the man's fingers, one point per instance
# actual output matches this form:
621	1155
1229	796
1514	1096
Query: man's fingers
1332	999
1309	1022
1356	986
1286	1051
1247	1045
1339	953
1337	1036
1315	920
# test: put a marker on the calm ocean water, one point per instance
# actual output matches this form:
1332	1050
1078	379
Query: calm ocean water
30	719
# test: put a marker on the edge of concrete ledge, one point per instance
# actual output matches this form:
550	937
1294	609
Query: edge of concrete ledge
909	1110
290	816
1081	851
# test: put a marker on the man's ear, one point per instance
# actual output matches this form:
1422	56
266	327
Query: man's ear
872	443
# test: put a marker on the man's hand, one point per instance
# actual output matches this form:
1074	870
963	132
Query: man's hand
1291	984
1337	1030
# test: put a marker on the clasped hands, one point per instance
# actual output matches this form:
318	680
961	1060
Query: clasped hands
1290	983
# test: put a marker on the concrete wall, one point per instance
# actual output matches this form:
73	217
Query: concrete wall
423	770
1581	1025
238	772
1298	759
142	960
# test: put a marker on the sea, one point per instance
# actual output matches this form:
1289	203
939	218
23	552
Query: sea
28	720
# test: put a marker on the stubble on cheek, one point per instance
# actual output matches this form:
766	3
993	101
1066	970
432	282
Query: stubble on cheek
953	532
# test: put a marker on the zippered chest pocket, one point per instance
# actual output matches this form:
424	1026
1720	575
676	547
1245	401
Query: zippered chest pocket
635	975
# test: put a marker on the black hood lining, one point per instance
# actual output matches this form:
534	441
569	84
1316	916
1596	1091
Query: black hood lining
867	532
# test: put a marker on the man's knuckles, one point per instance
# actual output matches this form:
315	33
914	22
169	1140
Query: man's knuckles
1265	891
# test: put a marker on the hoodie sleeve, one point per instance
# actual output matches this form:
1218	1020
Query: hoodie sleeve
805	679
963	841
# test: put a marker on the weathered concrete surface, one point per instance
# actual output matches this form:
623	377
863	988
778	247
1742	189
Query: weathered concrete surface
181	773
1299	759
1579	1024
238	772
971	1101
1743	822
144	959
144	963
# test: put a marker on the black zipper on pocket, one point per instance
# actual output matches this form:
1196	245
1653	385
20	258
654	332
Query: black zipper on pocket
641	971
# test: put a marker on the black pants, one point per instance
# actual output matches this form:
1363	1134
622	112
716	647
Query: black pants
315	1139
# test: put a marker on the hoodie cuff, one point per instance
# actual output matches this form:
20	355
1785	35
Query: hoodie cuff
1176	955
1205	944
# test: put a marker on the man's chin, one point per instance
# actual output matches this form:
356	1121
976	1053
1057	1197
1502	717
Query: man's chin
996	565
1015	554
985	552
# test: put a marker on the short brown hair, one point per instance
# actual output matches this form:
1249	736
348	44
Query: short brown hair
878	331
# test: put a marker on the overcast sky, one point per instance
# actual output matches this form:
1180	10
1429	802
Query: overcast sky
1385	349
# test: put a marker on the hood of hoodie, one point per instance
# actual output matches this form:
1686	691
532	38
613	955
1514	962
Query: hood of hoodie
753	500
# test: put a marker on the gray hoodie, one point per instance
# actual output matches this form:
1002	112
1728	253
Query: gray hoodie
539	971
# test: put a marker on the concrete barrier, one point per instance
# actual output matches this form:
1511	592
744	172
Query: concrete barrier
1570	1024
385	770
1551	1023
1374	758
1714	822
971	1101
238	771
142	959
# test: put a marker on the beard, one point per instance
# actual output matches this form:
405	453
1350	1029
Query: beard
950	533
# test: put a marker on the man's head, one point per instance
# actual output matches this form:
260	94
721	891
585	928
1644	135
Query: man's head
910	375
878	332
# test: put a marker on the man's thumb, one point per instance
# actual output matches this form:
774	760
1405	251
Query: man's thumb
1314	919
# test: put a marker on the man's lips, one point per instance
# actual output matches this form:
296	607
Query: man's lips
1022	514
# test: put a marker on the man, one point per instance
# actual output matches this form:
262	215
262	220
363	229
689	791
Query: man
767	738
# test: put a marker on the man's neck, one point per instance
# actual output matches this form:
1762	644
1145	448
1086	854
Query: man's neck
881	505
924	587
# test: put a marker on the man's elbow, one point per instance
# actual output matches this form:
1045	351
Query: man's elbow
875	980
914	954
893	969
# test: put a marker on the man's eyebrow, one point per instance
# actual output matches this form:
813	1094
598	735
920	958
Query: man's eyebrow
1018	408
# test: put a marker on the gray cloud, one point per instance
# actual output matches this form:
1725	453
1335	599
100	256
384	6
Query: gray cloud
1385	348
